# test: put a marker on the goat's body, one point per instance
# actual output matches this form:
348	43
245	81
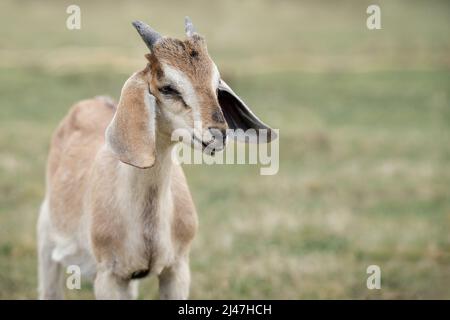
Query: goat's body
115	221
116	205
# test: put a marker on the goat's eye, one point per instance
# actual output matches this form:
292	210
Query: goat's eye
169	90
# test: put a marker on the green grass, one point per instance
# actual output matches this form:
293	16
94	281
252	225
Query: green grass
364	119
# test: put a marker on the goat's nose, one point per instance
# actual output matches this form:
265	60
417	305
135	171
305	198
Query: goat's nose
217	117
218	134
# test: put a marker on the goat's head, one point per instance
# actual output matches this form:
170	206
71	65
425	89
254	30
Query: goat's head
181	90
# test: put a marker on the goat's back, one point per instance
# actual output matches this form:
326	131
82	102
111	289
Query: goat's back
73	148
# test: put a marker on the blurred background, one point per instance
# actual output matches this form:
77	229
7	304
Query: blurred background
364	119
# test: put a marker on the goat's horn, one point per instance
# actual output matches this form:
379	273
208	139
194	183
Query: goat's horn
147	34
189	27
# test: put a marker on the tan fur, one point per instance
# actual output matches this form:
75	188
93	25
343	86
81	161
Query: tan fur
190	56
73	148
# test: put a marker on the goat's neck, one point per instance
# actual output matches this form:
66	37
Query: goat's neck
147	202
152	182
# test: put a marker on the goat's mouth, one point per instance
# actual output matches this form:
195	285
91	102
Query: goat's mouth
209	148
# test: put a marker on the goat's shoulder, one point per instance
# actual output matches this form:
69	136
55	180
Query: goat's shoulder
85	121
87	116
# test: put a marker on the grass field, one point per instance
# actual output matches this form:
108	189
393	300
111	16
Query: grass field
364	119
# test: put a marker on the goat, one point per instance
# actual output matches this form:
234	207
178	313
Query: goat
116	205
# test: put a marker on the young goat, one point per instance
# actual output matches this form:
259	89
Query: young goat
116	204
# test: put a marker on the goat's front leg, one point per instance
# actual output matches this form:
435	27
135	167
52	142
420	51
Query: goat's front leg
174	281
108	286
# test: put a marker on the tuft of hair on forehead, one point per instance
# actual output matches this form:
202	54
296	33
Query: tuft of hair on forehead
190	56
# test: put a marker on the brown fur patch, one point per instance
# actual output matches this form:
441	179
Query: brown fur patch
190	56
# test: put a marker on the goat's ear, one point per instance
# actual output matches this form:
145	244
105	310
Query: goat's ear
239	116
131	133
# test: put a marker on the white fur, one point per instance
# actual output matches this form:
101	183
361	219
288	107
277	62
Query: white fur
215	78
182	83
50	273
